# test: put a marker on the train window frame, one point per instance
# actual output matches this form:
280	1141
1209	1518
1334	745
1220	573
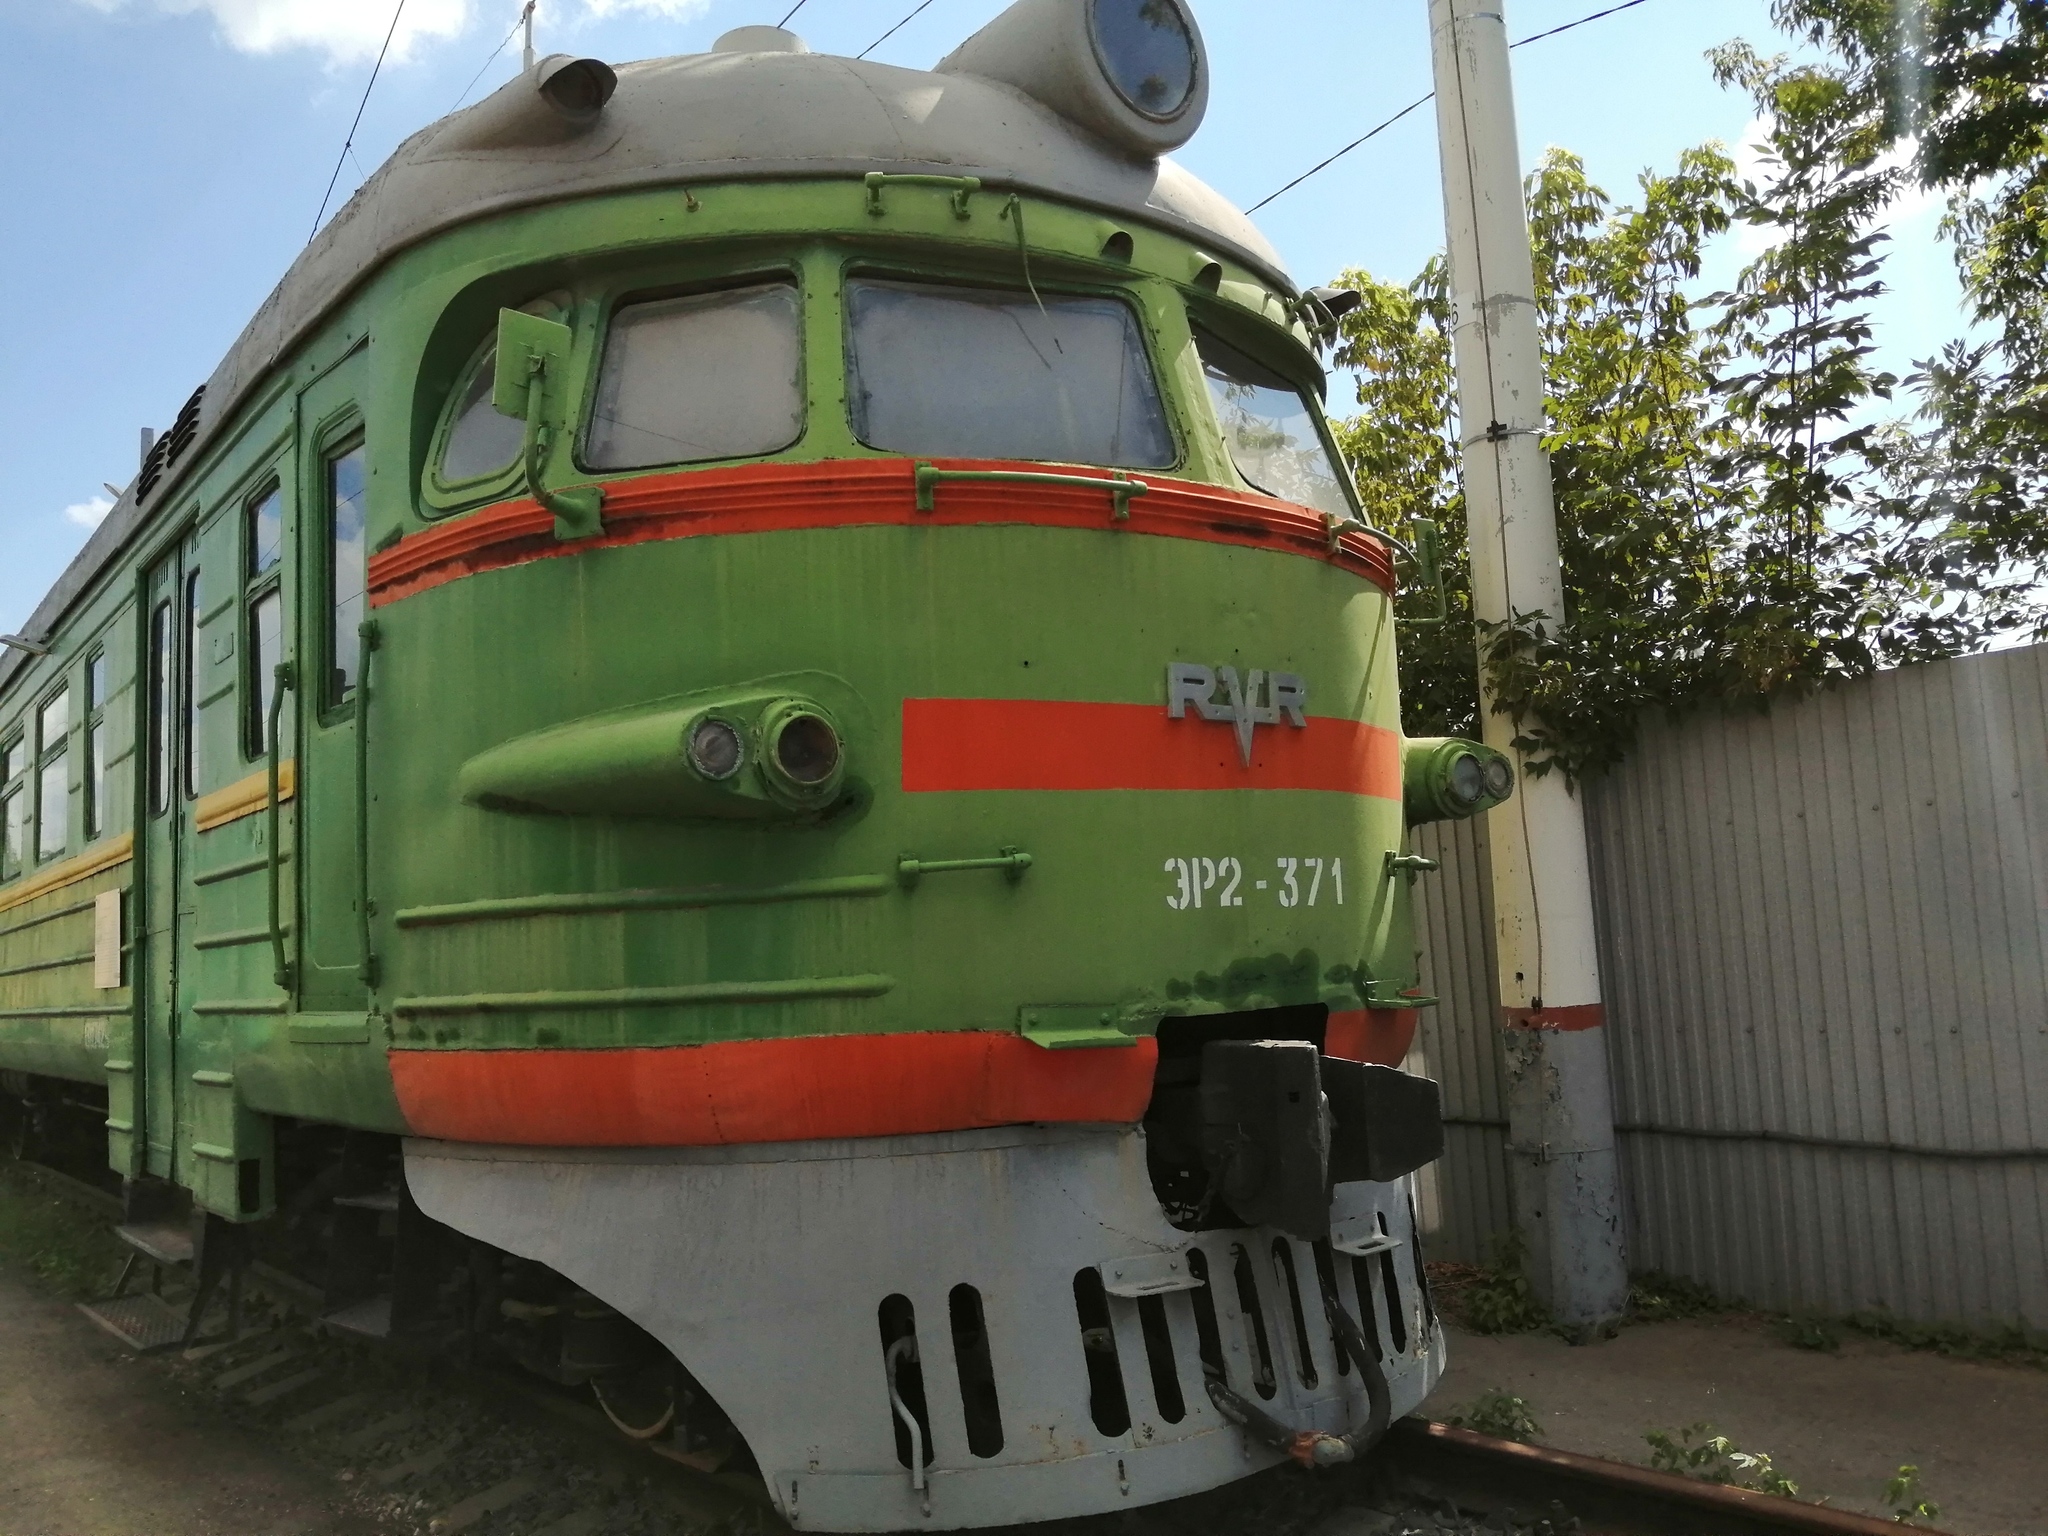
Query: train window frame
345	436
441	497
258	585
1130	294
191	598
48	757
633	289
1283	355
14	804
160	660
97	674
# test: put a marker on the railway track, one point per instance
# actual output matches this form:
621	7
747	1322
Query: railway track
441	1447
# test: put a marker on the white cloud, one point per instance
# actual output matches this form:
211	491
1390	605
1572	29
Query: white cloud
678	10
347	31
351	31
89	513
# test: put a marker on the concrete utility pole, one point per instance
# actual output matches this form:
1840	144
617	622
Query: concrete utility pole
1567	1190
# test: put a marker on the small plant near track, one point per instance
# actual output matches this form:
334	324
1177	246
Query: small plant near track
1499	1298
1499	1413
1815	1333
47	1230
1696	1451
1654	1297
1903	1498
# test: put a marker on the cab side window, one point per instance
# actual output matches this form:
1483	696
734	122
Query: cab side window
53	800
1270	426
95	745
13	807
263	613
347	567
481	439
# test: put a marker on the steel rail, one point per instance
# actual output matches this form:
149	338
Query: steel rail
1606	1496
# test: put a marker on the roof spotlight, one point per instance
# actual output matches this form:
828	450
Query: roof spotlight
576	88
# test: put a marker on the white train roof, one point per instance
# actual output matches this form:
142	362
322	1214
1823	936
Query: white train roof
1026	104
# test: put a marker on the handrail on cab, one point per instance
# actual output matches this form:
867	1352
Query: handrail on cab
1121	488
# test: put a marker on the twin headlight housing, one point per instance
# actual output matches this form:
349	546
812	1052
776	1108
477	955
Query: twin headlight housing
794	749
1446	779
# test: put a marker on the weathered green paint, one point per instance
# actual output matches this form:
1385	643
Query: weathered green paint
493	927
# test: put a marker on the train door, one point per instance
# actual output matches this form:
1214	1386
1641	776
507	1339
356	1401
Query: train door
169	773
334	486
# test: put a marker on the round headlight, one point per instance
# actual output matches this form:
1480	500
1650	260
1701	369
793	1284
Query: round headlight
1468	779
1500	778
716	749
807	749
1147	52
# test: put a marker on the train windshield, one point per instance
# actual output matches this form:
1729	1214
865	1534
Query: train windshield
995	374
709	376
1271	429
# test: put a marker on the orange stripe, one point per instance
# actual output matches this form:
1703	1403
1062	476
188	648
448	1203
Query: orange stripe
844	493
955	744
1380	1035
1578	1016
746	1091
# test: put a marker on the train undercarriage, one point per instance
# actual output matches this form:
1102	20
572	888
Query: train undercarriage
937	1331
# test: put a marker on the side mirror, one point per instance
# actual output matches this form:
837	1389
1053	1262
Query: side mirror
528	381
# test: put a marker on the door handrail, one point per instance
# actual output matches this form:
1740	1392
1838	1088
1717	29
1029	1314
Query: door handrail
283	679
367	632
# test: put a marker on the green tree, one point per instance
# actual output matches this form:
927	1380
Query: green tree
1735	518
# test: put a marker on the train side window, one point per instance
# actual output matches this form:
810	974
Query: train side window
1270	426
161	659
347	567
95	745
188	689
53	799
705	376
263	614
991	373
13	807
481	439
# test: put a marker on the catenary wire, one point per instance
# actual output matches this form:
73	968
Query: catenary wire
906	21
494	56
349	143
1626	5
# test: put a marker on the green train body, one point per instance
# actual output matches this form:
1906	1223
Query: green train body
377	809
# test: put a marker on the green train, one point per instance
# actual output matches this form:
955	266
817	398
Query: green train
749	747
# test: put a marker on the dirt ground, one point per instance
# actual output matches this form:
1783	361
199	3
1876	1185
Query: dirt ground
1837	1424
94	1443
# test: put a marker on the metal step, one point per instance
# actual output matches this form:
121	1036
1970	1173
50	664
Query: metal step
164	1242
371	1319
144	1323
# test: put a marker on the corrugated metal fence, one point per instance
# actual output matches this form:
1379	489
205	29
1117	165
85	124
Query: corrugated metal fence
1824	940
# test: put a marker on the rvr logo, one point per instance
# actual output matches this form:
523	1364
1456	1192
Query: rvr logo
1262	698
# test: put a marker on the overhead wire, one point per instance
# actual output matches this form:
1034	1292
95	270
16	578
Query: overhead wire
1626	5
906	21
349	143
502	46
800	4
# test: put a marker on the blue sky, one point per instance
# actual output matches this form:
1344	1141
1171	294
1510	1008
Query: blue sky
165	160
